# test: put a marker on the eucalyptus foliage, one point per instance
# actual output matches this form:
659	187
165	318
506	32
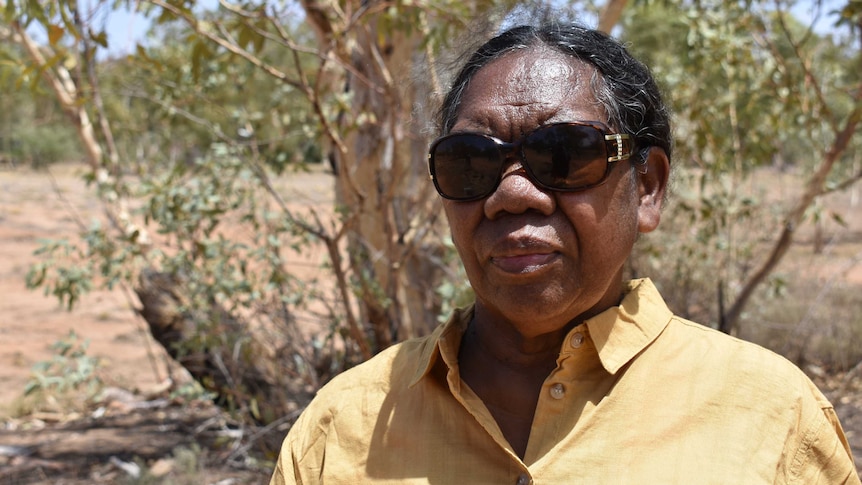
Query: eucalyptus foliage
752	87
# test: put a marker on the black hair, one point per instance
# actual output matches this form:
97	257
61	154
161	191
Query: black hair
626	89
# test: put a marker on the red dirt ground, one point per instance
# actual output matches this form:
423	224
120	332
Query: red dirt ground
40	205
36	206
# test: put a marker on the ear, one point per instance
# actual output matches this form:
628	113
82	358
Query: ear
652	183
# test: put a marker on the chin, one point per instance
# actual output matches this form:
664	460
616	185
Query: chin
533	303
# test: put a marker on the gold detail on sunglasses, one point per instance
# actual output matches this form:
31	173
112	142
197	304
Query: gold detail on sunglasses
621	153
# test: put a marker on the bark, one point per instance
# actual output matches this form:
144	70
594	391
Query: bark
379	167
611	14
60	82
216	348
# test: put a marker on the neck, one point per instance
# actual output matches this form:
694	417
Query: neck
499	342
506	371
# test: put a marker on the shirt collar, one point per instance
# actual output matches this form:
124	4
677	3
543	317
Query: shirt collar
622	332
443	343
619	333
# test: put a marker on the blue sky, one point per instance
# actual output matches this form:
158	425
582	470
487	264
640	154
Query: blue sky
127	28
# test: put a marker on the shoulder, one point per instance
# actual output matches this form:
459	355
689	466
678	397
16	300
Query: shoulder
731	353
338	424
352	395
751	374
760	390
392	367
710	361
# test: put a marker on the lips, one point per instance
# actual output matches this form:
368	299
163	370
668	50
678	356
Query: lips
524	263
524	251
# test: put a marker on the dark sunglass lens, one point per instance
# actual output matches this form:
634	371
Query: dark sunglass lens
465	166
566	156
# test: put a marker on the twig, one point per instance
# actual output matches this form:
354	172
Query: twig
232	47
241	450
68	205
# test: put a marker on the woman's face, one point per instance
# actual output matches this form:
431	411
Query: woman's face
538	260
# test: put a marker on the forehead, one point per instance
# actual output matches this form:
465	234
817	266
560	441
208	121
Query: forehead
527	88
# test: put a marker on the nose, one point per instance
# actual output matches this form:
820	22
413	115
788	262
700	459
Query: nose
515	169
517	194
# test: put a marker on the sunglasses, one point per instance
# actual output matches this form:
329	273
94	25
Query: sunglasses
564	157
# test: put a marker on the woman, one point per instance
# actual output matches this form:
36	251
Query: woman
554	157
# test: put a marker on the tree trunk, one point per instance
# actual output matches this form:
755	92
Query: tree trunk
217	349
380	171
611	14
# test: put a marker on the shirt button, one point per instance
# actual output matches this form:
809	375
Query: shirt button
524	479
558	391
577	340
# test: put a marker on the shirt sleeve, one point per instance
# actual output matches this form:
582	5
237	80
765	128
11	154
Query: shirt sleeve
302	453
824	455
285	469
278	476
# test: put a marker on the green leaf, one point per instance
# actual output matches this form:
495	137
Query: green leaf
254	409
55	33
839	220
200	53
245	36
101	38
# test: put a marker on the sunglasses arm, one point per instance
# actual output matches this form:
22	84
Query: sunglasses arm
619	144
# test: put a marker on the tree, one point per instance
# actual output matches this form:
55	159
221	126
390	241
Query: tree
206	253
752	88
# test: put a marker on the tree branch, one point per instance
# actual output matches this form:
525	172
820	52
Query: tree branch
814	189
230	46
611	14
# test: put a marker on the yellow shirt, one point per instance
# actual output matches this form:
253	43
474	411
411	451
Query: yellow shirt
639	396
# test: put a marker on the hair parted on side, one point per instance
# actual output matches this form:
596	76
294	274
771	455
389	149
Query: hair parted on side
626	89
